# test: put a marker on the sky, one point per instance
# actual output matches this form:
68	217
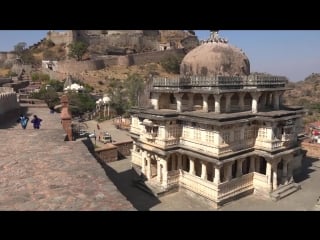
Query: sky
291	53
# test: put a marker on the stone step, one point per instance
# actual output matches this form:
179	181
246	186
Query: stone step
284	191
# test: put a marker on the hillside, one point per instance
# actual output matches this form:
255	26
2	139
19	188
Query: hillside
307	94
99	80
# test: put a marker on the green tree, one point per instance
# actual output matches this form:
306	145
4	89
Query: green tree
117	94
19	48
78	49
80	103
171	64
135	86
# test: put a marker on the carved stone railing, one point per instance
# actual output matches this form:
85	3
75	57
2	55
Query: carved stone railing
235	186
221	82
150	135
197	185
166	142
173	178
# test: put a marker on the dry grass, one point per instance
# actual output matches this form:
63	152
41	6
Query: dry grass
4	72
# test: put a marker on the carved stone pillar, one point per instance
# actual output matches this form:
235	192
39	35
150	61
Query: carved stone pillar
178	97
158	170
228	171
275	100
216	178
155	100
143	162
148	166
205	102
217	103
268	173
275	176
255	99
228	101
239	167
191	170
204	170
179	161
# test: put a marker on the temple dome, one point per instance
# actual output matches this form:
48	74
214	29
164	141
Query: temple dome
215	57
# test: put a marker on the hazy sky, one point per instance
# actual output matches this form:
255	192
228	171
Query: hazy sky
294	54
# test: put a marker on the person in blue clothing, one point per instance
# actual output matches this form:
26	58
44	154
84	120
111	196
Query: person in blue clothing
23	120
36	122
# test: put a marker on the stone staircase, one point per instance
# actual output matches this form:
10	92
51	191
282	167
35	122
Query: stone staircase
284	190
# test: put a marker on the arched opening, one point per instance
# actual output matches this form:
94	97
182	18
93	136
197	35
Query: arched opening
153	167
246	165
234	169
234	103
197	167
197	102
263	165
247	102
280	172
211	103
164	101
185	163
173	102
222	174
169	163
210	171
185	102
223	103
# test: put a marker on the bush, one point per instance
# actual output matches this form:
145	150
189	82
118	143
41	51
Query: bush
171	64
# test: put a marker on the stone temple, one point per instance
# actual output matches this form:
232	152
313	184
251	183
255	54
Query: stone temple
218	131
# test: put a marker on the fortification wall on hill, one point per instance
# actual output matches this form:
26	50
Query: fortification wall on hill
72	66
157	56
60	37
7	58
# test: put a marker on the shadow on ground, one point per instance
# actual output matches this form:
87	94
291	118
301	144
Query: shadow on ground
306	169
9	119
125	182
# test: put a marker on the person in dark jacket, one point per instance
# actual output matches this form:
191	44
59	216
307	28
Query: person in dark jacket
36	122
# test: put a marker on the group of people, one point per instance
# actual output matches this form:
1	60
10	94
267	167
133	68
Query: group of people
23	120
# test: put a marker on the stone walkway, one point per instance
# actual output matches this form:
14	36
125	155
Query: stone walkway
40	171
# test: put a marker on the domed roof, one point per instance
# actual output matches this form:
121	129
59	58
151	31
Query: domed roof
215	57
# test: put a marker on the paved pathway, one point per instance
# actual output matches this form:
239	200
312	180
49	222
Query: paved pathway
40	171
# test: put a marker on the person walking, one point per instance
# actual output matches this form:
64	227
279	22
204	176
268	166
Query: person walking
23	120
36	122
